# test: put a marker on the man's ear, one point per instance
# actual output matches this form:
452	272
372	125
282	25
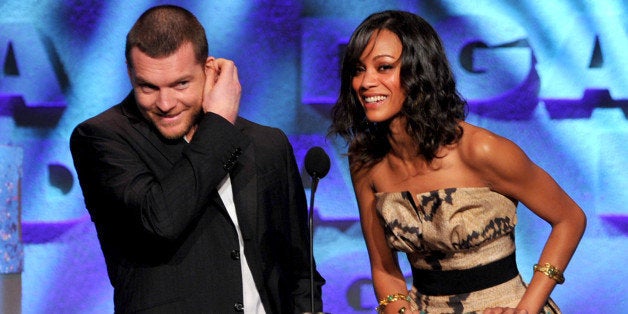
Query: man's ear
129	72
209	62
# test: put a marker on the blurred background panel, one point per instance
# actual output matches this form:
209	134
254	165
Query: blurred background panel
552	76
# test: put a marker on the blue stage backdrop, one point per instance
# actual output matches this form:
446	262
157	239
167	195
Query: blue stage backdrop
550	75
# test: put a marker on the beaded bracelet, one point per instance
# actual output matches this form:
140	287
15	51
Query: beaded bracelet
550	271
390	299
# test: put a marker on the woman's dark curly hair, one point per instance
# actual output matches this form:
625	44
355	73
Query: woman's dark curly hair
433	107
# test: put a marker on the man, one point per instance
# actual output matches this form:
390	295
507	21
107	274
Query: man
197	210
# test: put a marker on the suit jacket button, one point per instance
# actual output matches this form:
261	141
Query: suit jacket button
239	307
235	255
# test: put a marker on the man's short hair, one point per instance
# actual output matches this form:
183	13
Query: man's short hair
162	30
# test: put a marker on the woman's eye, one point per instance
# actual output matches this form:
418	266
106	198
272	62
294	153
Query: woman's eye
358	70
385	67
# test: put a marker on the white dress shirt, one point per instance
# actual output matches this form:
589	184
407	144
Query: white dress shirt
252	301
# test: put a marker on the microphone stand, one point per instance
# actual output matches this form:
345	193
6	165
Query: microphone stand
317	165
311	228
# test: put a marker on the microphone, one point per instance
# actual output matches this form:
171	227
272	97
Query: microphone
317	162
317	166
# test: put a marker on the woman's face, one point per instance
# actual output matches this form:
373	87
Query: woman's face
377	79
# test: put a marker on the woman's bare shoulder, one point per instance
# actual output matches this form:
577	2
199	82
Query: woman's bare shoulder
479	144
495	158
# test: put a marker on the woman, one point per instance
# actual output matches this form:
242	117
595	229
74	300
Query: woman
437	188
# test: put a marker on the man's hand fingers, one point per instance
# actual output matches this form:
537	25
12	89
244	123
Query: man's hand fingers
223	97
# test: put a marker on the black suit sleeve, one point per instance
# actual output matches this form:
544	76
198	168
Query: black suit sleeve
125	178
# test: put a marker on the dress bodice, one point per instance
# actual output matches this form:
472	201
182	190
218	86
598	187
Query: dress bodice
447	224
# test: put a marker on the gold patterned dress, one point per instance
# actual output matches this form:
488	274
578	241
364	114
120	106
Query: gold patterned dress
460	244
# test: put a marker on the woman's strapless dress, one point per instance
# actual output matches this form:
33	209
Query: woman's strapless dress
460	244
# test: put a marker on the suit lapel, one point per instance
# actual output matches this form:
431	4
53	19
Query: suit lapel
170	149
244	185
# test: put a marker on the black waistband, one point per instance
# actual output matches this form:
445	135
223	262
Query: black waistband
448	282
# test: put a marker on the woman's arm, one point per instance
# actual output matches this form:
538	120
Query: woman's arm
509	171
387	276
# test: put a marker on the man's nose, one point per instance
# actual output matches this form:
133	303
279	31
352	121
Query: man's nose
166	100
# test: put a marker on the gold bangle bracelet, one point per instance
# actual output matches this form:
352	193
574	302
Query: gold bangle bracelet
550	271
390	299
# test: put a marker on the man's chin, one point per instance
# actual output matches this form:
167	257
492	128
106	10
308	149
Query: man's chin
170	133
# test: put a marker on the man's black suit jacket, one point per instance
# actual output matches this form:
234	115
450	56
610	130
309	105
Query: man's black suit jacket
168	242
